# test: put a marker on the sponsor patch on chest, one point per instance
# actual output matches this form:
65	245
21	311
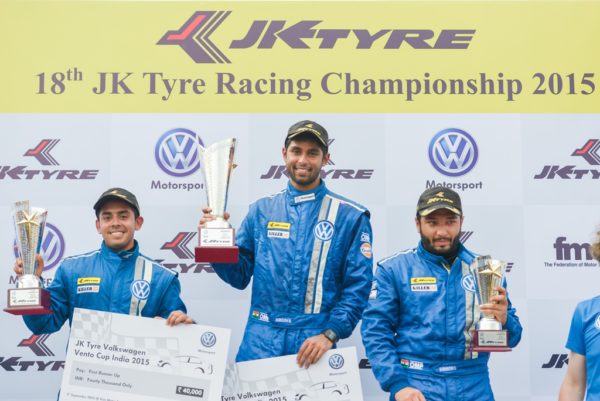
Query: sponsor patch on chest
423	284
88	280
88	288
278	234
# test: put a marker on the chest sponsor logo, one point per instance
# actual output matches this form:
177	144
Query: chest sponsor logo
423	287
468	283
140	289
407	363
305	198
278	234
88	288
88	280
324	230
423	280
366	250
278	225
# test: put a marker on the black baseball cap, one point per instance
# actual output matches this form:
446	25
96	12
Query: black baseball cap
436	198
117	194
308	127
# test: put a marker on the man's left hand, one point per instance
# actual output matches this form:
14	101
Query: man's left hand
312	350
177	317
498	306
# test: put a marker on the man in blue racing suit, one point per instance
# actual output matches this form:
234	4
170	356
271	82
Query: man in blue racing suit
423	310
115	278
309	251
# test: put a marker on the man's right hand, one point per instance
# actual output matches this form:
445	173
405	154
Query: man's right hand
18	267
409	394
207	216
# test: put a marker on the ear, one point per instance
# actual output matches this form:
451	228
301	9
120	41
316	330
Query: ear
138	222
418	224
284	153
98	225
325	159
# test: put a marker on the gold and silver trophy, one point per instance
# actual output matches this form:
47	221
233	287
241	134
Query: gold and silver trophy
488	274
29	298
217	237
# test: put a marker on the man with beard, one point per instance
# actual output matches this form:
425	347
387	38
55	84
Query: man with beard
309	251
422	313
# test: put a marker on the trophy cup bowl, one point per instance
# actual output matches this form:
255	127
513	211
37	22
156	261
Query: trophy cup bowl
29	298
217	237
488	274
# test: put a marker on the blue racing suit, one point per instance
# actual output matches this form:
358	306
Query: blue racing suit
311	258
418	327
584	339
121	282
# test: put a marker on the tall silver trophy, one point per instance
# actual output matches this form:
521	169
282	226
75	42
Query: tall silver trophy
29	298
488	274
217	238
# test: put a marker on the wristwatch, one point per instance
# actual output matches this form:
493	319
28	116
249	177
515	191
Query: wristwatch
331	335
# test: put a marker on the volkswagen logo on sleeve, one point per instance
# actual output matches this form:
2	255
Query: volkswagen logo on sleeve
468	283
140	289
208	339
324	230
336	361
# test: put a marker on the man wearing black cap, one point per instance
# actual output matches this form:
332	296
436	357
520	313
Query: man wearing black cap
422	313
309	251
116	278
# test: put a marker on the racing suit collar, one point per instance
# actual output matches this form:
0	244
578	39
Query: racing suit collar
120	255
438	259
296	196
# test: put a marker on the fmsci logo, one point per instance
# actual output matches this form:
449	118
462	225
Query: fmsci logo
176	152
324	230
468	283
140	289
453	152
336	361
52	249
208	339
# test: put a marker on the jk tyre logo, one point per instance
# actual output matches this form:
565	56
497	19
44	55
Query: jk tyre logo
42	152
324	230
176	152
589	152
36	343
194	37
336	361
208	339
453	152
179	245
53	247
140	289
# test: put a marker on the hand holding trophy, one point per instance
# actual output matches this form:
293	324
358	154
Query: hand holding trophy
217	237
488	274
29	298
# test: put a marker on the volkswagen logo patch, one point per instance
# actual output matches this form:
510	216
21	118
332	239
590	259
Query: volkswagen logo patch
324	230
140	289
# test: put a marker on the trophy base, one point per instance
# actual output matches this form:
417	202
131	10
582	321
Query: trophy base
217	254
490	341
28	301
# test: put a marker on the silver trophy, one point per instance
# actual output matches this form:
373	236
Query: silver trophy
29	297
217	237
489	274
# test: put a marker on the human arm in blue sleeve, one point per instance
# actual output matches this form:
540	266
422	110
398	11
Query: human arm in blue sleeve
512	325
238	275
378	332
356	281
60	303
171	299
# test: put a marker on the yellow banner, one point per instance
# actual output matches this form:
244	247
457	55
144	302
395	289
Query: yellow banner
373	57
